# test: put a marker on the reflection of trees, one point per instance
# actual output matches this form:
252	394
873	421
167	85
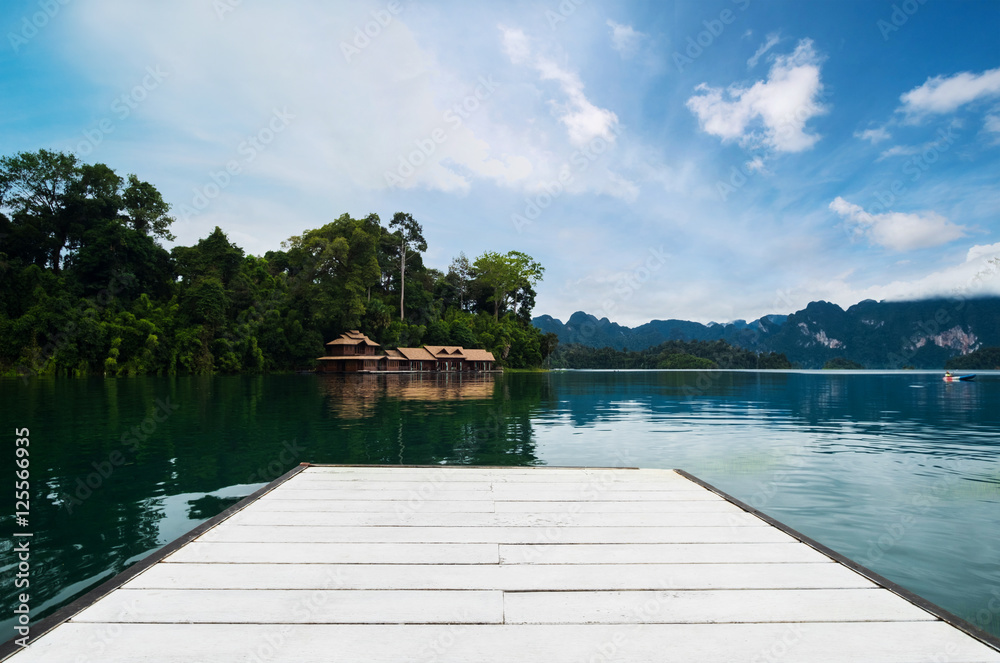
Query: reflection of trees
820	402
429	419
209	506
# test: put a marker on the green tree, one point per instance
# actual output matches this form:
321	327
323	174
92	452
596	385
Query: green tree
505	273
146	210
411	240
460	272
33	186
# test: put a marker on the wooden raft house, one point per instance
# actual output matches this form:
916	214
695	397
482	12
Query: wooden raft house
497	565
353	352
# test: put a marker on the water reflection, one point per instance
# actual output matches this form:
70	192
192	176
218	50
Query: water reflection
352	396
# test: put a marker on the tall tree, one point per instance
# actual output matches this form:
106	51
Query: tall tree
147	211
33	186
411	241
505	273
460	273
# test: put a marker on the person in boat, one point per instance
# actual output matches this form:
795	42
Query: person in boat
947	374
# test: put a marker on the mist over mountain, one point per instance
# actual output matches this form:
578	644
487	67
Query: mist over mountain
922	334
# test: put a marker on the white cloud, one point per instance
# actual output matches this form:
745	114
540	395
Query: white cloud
900	151
625	39
876	135
222	88
584	121
945	94
756	165
896	230
977	275
772	41
783	104
515	45
992	124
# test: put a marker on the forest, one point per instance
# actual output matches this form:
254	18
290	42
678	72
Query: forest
982	359
87	287
671	354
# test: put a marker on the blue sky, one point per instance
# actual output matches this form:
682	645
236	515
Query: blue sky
707	160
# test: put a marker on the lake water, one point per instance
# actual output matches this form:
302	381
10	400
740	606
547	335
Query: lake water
898	471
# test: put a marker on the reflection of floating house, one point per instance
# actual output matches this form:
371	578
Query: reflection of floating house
358	395
354	352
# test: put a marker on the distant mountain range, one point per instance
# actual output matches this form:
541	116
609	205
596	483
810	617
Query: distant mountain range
921	334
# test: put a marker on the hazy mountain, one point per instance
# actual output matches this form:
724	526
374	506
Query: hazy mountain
923	334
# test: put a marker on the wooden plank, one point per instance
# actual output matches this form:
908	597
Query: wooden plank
336	553
476	470
417	519
660	553
312	606
554	534
376	506
366	486
611	506
376	495
519	577
507	492
585	489
891	642
466	478
713	607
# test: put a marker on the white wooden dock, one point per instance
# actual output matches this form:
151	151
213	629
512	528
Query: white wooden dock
496	564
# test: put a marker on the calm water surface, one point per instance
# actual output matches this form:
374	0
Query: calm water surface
898	471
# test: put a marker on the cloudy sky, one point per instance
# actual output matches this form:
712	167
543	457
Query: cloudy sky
707	160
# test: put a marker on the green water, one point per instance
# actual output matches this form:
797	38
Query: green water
898	471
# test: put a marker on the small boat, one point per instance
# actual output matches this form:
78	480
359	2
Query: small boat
959	378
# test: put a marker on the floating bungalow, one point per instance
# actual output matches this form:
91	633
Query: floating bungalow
353	352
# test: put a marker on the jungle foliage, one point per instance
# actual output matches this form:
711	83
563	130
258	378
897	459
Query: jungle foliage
87	288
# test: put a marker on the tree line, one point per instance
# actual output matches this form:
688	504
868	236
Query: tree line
981	359
671	354
87	288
